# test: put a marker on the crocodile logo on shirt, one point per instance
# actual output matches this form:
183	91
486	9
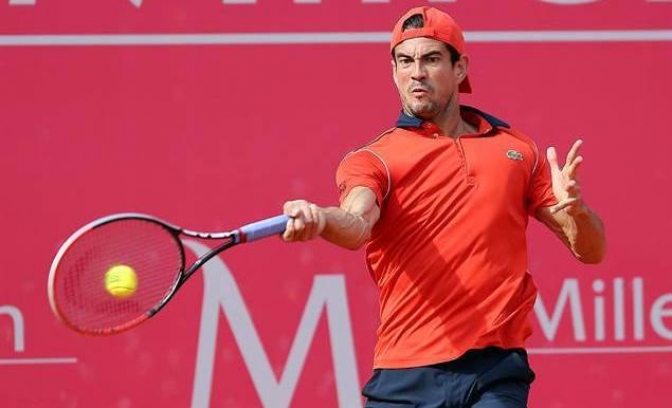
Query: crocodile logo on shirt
514	155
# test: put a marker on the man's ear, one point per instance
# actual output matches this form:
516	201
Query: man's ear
461	67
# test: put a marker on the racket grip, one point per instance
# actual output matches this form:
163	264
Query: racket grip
264	228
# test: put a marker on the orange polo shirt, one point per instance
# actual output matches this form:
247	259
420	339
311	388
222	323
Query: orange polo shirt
449	253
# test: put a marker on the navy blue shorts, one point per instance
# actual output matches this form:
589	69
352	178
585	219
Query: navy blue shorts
487	378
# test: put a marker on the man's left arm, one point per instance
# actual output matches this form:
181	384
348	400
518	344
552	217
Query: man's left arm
576	224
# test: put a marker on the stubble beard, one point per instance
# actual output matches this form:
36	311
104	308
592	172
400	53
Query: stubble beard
429	110
426	110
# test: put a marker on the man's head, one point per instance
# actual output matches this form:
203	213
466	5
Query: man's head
429	22
429	65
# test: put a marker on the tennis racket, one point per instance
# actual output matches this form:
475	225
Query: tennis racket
151	255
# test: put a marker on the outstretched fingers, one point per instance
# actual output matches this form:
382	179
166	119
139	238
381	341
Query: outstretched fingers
574	151
552	156
574	160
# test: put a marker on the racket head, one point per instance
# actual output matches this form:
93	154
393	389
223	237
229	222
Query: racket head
77	288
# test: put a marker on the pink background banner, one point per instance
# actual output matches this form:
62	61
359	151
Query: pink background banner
213	135
147	16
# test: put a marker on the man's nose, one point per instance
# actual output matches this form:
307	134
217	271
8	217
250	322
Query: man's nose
418	70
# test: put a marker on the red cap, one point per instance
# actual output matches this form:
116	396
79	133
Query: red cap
437	25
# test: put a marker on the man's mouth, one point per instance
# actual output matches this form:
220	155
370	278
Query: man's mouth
419	91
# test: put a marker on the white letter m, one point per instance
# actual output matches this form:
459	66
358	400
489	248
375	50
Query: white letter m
328	293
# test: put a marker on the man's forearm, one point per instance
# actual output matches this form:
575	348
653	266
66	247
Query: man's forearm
346	229
585	234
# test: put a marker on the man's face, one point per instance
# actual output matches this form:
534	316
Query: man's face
426	78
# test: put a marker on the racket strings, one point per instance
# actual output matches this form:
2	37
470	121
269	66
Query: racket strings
149	250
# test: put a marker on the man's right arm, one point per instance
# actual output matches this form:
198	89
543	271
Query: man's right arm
348	226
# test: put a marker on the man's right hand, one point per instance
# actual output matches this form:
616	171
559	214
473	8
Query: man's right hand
307	221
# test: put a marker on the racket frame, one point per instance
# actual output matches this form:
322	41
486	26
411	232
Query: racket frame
247	233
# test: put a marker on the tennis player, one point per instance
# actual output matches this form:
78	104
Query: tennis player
441	202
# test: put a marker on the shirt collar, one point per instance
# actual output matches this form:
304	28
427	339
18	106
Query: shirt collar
408	121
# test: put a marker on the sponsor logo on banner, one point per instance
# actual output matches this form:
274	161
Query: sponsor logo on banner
619	311
139	3
618	315
635	322
14	331
254	16
327	296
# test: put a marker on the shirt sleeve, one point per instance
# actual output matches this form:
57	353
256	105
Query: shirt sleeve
540	192
363	168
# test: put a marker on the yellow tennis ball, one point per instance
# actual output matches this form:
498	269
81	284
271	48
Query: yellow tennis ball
121	281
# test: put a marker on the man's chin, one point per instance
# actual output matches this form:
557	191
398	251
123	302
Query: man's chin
423	110
425	113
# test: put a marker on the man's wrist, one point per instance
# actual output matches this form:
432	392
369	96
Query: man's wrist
578	210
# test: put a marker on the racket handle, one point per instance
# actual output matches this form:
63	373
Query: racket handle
264	228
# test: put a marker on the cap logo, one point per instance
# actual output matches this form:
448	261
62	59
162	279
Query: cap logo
514	155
